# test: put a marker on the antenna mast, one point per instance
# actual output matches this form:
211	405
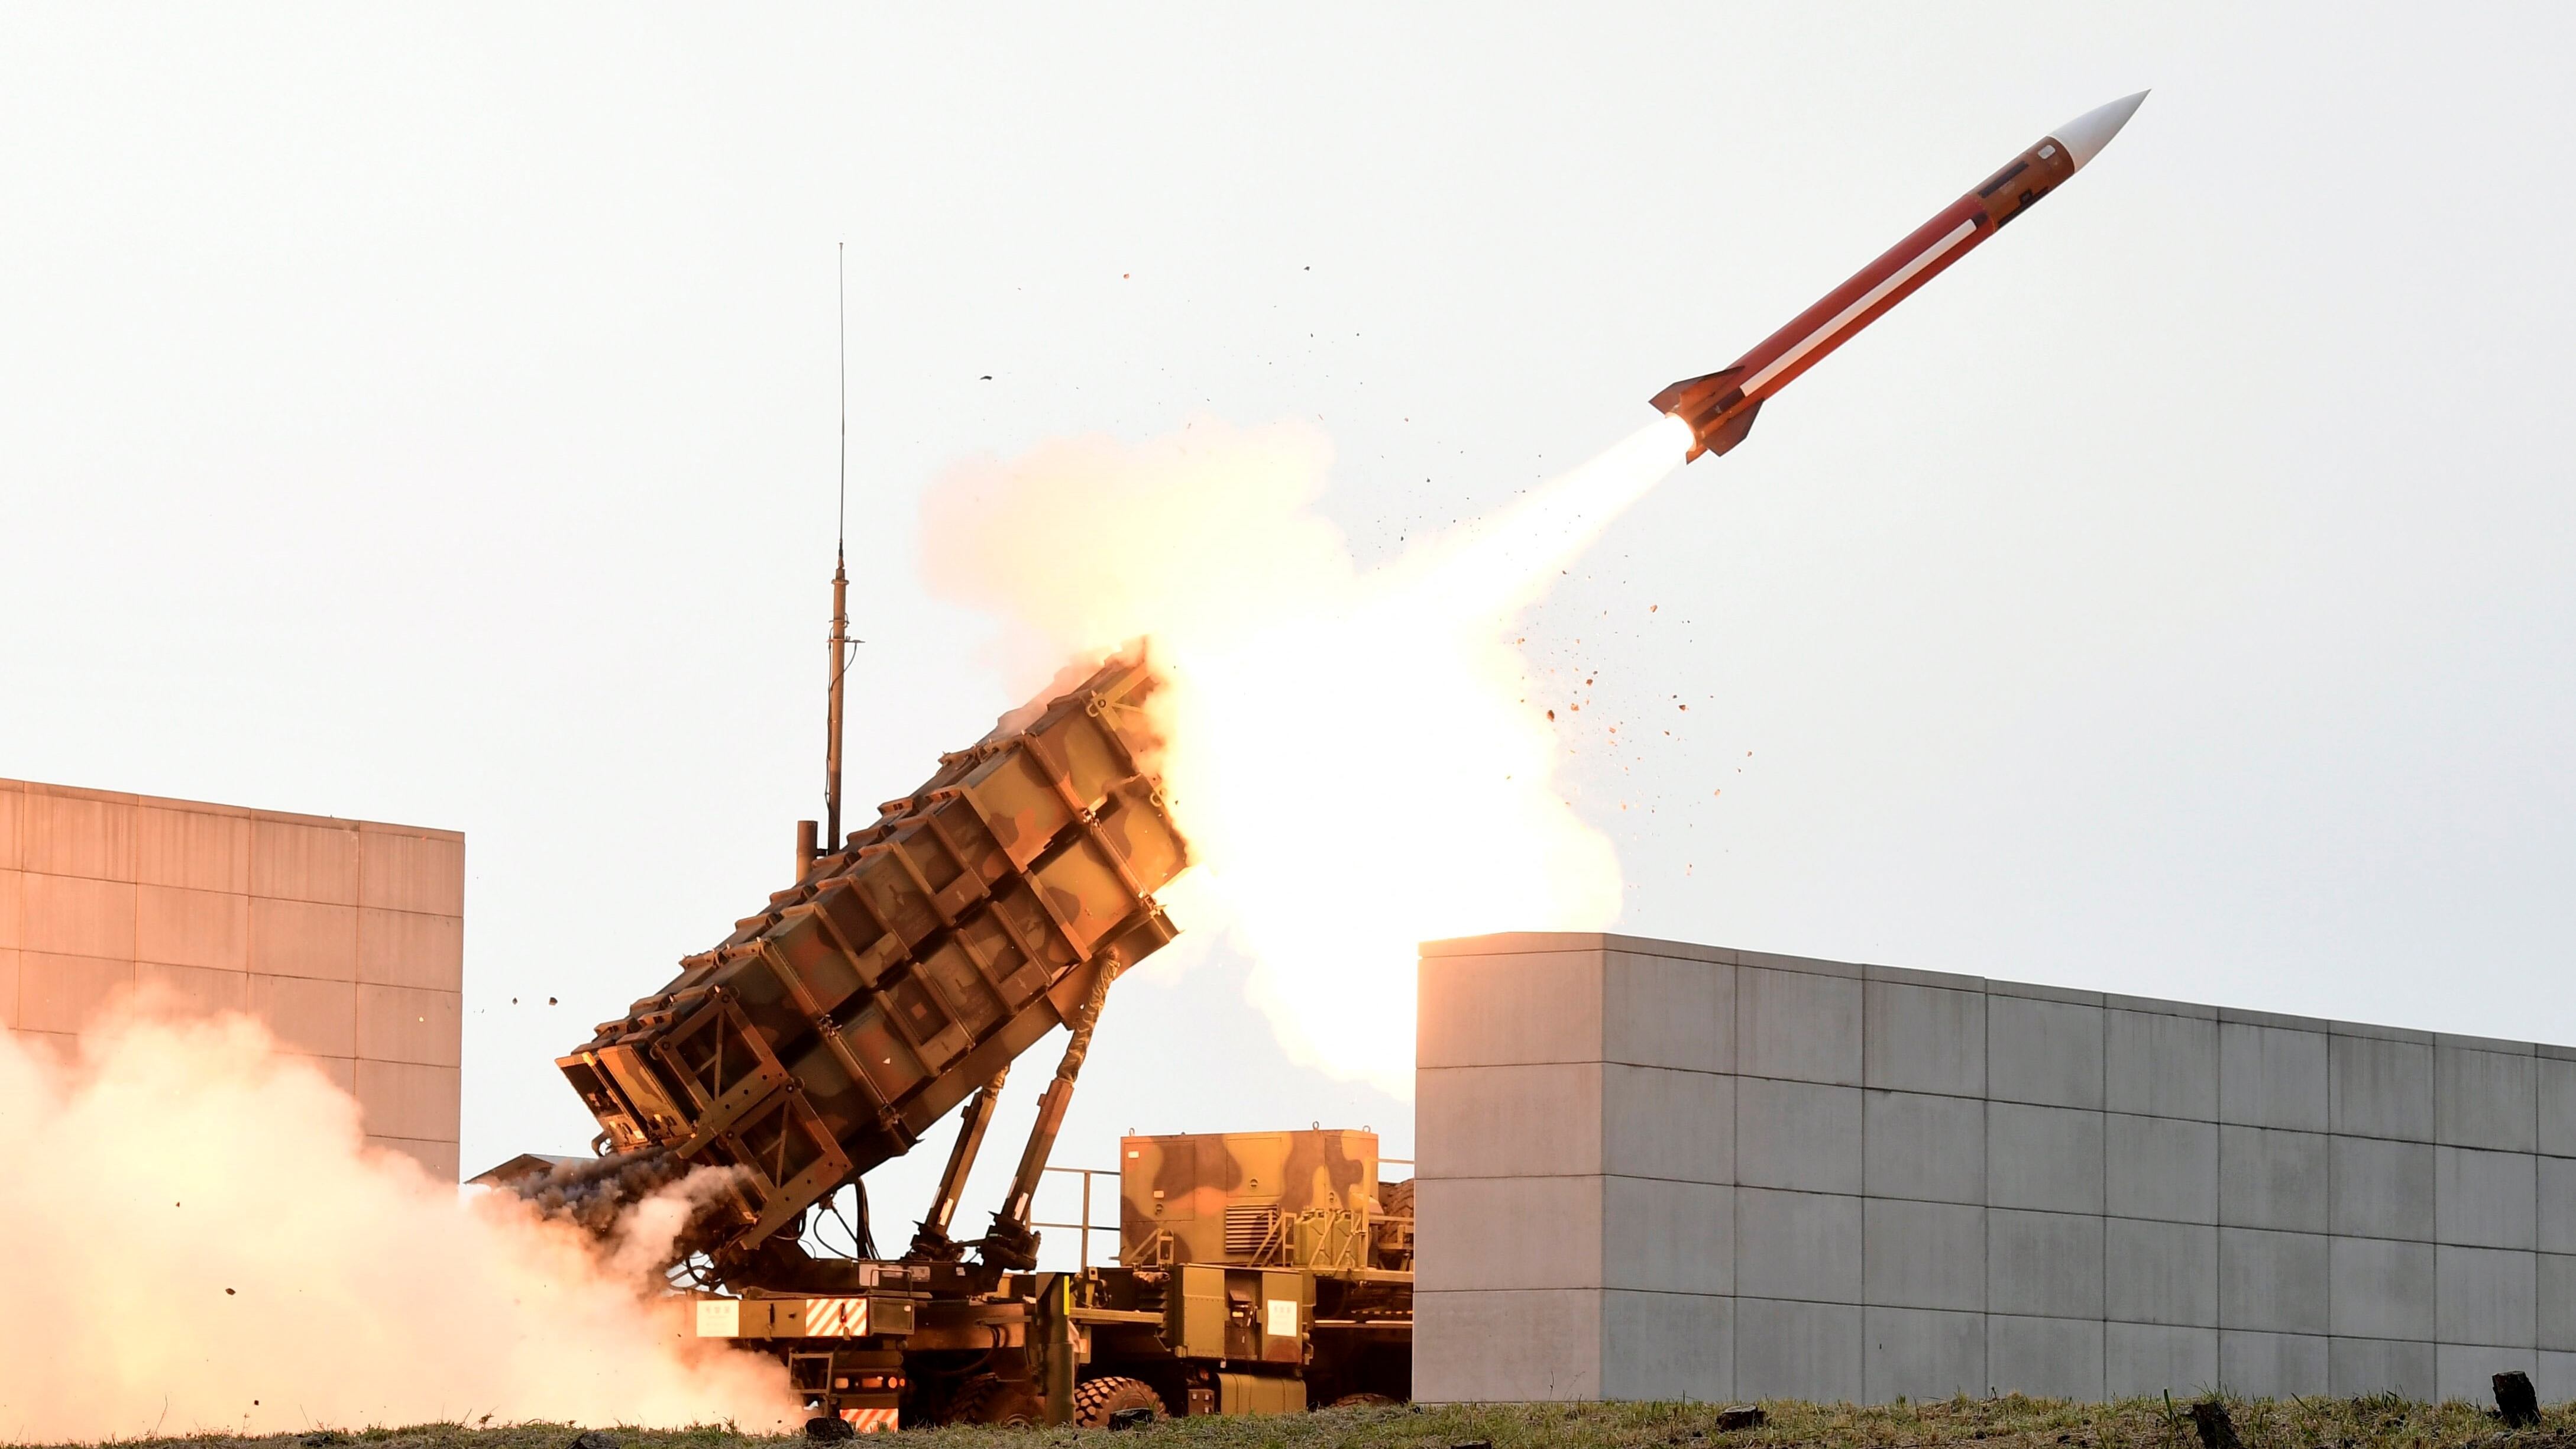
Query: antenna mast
840	582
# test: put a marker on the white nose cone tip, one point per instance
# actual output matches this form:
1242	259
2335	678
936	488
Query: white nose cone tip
2086	135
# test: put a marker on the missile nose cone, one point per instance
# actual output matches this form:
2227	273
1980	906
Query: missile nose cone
2086	135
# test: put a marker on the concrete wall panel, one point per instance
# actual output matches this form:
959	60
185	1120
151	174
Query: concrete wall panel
2486	1296
1798	1026
2160	1273
2161	1167
2268	1178
2485	1099
1786	1350
2383	1088
1662	1011
293	860
2046	1052
1799	1135
2053	1358
1525	1121
1801	1245
1666	1237
2557	1085
2557	1206
1924	1255
2358	1366
303	938
1923	1147
2382	1289
2555	1288
1507	1232
401	1099
2484	1199
2276	1283
400	1024
1509	1010
2382	1189
2467	1371
2046	1265
398	948
1915	1353
2043	1157
1667	1346
1657	1122
68	994
1511	1347
192	989
1924	1039
76	833
2148	1358
319	1018
399	870
2160	1065
2272	1365
180	927
69	915
2271	1076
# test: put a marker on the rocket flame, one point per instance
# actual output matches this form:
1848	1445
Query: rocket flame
1349	752
208	1246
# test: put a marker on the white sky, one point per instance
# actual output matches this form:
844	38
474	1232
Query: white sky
427	415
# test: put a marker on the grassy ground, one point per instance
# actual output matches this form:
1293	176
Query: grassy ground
2007	1423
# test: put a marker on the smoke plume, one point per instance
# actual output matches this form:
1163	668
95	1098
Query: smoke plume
1351	752
205	1243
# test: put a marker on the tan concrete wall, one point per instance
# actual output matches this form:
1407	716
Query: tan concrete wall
347	937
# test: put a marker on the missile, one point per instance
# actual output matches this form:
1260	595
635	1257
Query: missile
1720	406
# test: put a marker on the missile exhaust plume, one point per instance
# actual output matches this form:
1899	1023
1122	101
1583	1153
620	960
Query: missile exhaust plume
208	1246
1316	712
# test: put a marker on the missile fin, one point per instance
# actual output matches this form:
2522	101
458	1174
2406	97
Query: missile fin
1733	433
1690	389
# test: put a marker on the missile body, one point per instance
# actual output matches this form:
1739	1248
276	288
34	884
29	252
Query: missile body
1720	406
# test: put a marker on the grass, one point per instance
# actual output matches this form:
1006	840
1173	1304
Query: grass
2012	1422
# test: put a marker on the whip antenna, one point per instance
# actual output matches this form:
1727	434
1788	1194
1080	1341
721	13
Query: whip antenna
840	575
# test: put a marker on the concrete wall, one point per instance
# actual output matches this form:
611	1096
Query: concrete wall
346	937
1656	1170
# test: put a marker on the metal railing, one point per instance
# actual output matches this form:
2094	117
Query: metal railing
1087	1226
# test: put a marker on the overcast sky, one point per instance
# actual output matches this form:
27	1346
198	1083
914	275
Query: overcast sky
428	415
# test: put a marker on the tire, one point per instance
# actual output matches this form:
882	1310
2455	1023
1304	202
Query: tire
1096	1400
1362	1401
990	1399
1395	1199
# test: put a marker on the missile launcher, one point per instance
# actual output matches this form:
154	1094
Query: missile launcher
906	970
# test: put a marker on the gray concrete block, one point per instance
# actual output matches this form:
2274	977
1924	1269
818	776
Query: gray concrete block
2484	1199
2557	1207
2277	1283
2557	1083
2555	1285
2382	1189
2486	1295
2049	1358
2160	1065
1507	1121
1809	1351
2382	1088
1797	1245
1798	1026
1660	1011
1660	1236
1667	1347
1916	1353
2359	1366
2382	1289
2270	1076
2160	1272
2467	1371
2270	1178
1924	1255
2047	1052
1797	1135
2043	1265
1507	1232
1484	1347
2160	1167
2485	1099
2556	1380
2043	1157
2272	1365
1922	1147
2149	1358
1508	1010
1661	1123
1920	1039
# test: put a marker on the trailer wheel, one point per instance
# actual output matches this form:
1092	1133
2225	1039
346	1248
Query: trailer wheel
1097	1402
991	1399
1362	1401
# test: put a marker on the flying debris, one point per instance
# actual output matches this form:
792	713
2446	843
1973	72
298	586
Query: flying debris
1721	406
